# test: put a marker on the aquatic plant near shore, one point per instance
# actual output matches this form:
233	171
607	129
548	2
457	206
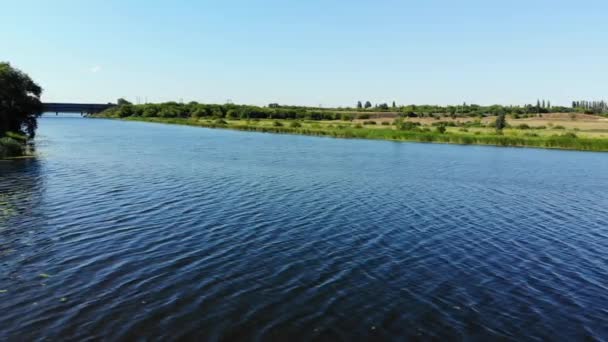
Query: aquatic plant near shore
10	147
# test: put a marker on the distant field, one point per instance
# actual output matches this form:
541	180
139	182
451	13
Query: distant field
582	124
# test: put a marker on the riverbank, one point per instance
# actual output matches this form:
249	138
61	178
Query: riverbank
12	146
452	135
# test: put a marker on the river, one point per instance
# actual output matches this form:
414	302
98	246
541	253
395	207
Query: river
124	230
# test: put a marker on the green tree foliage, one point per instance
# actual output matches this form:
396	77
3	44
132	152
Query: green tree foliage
359	105
20	104
441	129
274	111
121	102
501	121
590	107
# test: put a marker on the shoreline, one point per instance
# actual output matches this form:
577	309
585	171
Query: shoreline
390	134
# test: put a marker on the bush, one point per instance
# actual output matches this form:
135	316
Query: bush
559	127
346	117
371	122
10	147
16	136
277	124
364	116
295	124
406	125
441	129
523	126
358	126
220	122
386	123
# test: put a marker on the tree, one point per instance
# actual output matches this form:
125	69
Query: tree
394	104
20	104
501	121
441	129
368	104
122	102
359	105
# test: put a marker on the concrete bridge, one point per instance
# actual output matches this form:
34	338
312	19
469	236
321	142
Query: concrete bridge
82	108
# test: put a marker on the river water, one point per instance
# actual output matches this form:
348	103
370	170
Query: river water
124	230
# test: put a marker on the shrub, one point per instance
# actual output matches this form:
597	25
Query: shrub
17	136
441	129
358	126
295	124
386	123
370	122
220	122
559	127
364	116
346	117
10	147
523	126
277	124
406	125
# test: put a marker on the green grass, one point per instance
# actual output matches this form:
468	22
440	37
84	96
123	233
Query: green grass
10	147
512	137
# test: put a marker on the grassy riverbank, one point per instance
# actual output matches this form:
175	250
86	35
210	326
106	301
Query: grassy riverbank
518	137
12	145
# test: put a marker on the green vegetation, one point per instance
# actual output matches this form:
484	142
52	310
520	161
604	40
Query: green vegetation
20	107
409	133
10	147
342	123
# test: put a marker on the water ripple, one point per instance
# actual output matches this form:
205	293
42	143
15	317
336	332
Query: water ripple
125	231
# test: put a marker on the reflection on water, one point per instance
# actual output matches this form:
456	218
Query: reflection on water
20	188
119	230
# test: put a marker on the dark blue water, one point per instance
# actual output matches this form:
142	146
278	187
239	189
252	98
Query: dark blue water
121	230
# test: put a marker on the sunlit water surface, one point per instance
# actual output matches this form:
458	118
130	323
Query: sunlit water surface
121	230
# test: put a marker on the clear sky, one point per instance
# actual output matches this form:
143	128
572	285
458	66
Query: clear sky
311	52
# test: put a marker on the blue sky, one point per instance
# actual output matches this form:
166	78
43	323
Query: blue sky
312	52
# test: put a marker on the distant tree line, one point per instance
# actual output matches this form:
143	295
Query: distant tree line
362	110
591	107
225	111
